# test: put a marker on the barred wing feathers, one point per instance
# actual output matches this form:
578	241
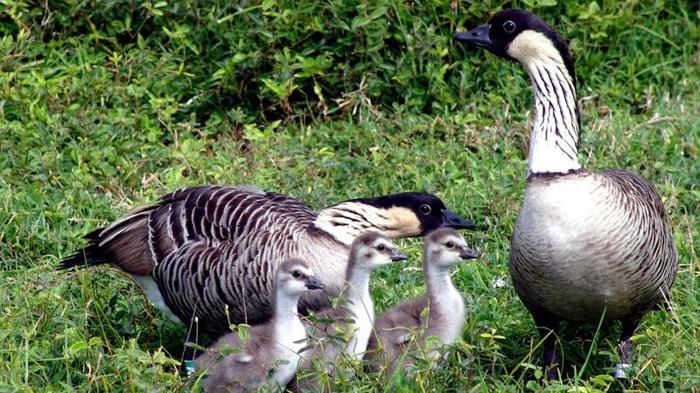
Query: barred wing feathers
211	249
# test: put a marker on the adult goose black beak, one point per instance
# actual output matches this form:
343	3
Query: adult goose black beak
479	36
451	219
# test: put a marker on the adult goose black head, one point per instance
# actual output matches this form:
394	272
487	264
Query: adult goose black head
405	214
519	36
586	245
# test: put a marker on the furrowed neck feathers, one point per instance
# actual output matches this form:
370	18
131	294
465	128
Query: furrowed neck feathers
555	136
347	220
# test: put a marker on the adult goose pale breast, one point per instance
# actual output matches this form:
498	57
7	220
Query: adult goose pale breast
212	251
585	245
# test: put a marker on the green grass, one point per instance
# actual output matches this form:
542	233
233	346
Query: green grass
105	106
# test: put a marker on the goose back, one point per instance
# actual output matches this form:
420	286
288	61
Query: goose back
213	251
218	249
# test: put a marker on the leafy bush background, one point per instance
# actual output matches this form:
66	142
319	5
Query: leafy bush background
104	105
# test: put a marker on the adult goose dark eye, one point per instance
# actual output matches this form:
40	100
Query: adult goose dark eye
211	252
586	245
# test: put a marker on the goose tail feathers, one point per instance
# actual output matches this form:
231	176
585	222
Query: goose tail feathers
91	255
124	242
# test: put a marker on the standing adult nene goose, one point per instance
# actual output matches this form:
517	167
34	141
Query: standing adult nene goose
211	252
585	245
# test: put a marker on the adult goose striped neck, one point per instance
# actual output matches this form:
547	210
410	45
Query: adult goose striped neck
211	252
586	246
439	313
270	356
346	328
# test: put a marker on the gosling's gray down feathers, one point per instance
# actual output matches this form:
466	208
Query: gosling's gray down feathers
346	328
270	356
440	312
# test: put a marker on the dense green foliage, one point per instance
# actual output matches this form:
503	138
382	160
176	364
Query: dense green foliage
105	105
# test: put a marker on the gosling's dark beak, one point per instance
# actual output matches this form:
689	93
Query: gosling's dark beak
479	36
397	255
452	220
313	283
468	253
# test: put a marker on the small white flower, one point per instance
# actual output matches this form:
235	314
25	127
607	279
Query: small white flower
498	282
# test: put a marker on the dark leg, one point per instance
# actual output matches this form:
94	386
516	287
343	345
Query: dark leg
629	325
550	357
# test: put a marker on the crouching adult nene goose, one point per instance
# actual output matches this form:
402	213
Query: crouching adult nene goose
440	313
586	245
346	328
270	356
211	252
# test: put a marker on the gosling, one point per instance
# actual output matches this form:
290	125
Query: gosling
270	357
346	328
439	313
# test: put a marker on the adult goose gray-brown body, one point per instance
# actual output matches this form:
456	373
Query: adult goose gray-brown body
586	245
345	329
212	251
439	313
270	356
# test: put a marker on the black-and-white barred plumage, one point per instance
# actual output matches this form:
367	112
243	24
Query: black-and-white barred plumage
211	252
223	244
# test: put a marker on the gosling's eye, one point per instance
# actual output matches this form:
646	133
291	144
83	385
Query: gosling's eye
296	274
381	247
450	245
425	209
509	26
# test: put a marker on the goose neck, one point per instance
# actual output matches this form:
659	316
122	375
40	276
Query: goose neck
439	283
356	293
286	308
356	304
554	140
347	220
